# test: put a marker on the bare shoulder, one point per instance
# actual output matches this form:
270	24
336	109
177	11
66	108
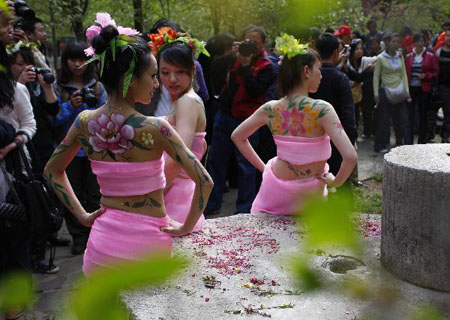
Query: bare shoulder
189	102
272	106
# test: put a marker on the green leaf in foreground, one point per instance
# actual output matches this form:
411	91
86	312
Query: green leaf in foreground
99	297
16	290
330	223
308	279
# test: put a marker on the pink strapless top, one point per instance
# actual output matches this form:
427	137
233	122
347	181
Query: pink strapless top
198	148
303	150
121	179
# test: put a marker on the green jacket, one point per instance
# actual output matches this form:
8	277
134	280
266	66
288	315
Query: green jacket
390	77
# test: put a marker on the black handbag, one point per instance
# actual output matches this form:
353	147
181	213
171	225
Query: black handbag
34	193
13	210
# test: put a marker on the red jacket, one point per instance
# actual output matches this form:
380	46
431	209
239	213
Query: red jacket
252	86
429	68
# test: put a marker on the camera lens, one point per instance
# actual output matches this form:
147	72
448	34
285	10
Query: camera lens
247	47
88	96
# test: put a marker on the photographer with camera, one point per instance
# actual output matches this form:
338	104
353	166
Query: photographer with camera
43	99
245	89
77	90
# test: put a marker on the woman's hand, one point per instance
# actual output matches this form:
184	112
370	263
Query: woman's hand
328	178
175	228
27	75
88	218
76	99
43	84
7	149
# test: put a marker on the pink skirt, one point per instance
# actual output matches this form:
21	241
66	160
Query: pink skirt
178	201
285	197
117	236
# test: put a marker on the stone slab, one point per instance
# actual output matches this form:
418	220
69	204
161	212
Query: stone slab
242	249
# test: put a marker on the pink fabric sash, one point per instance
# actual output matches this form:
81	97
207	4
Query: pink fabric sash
178	201
285	197
121	179
117	236
303	150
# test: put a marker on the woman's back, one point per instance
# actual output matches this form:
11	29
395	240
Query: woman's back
302	144
126	155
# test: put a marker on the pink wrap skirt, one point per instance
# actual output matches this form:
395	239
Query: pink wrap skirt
285	197
117	236
178	200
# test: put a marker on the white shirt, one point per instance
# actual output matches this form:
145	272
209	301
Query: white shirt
21	117
164	103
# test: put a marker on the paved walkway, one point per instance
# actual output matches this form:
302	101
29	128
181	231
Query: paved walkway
52	289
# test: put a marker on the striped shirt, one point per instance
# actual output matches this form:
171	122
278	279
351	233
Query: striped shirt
416	70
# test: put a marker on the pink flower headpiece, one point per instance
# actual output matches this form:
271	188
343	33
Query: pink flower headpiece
102	20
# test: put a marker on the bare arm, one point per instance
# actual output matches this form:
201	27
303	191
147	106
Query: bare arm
246	129
174	146
333	127
186	116
56	174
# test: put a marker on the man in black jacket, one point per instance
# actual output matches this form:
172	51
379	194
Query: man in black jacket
335	89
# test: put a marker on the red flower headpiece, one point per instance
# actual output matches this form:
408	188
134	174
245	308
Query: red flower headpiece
167	35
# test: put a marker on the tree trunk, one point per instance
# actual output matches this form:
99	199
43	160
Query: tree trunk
138	19
415	242
215	17
77	25
54	43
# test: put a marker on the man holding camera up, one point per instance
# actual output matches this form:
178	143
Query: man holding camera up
245	89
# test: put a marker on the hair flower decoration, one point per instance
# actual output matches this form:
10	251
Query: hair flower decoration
289	47
103	19
167	35
15	47
126	36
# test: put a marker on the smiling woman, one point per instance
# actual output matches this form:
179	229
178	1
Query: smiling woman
125	149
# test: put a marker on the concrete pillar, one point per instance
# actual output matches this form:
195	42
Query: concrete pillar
415	241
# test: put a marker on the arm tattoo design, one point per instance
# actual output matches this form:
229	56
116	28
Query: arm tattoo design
62	191
165	132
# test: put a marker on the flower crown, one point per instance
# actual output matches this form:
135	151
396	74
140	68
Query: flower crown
288	46
15	47
167	35
122	41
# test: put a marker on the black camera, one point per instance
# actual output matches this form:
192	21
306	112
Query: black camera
247	47
23	10
46	74
88	95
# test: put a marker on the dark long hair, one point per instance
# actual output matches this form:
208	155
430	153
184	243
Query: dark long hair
353	46
7	84
75	50
290	73
177	54
114	70
25	52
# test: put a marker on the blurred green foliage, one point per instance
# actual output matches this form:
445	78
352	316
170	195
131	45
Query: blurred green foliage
16	291
4	7
99	297
205	18
329	226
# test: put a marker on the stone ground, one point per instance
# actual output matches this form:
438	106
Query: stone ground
51	289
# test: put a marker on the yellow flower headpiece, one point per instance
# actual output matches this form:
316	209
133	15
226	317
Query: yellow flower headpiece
288	47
